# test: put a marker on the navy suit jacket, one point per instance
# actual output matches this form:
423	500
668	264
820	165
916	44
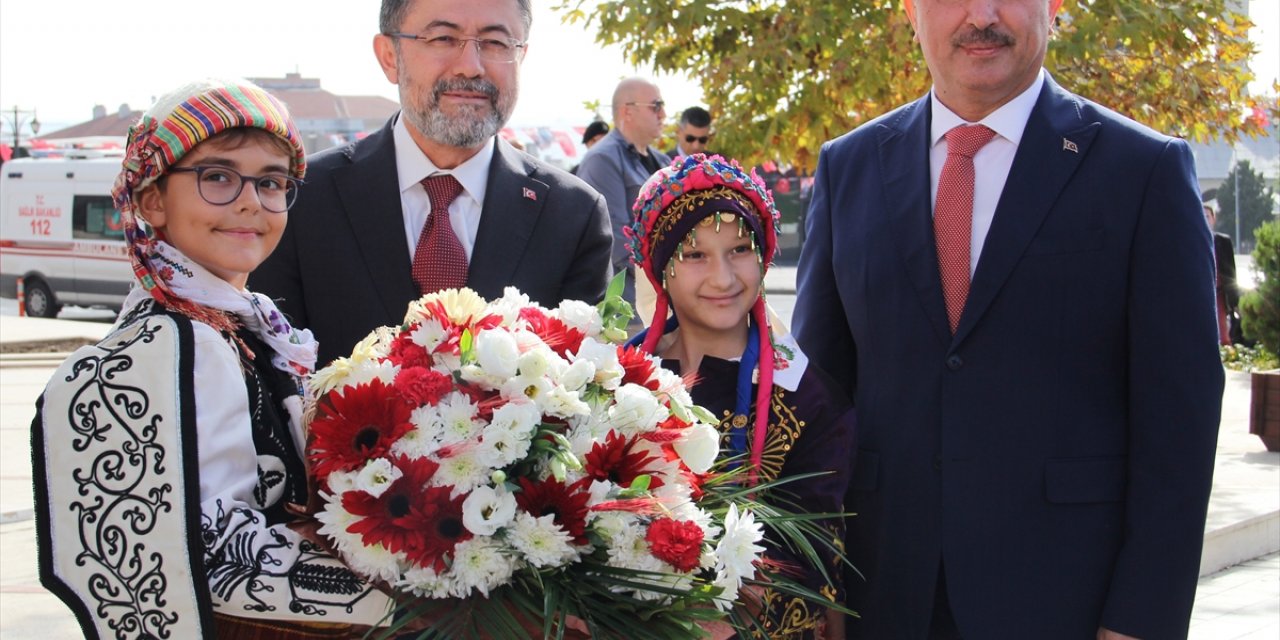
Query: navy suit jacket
343	267
1055	455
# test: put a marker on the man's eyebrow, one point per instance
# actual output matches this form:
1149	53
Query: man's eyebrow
445	24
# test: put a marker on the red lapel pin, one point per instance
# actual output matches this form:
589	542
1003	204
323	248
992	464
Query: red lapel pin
528	193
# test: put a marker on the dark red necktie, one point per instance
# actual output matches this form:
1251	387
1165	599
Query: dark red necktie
439	262
953	215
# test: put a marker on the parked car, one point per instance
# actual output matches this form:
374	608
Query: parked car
60	234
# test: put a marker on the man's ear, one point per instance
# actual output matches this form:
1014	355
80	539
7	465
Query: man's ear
151	207
384	48
910	7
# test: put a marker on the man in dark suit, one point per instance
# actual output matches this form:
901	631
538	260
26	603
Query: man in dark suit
365	240
1227	289
1016	285
693	132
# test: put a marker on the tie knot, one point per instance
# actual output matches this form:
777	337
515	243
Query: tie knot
442	189
967	139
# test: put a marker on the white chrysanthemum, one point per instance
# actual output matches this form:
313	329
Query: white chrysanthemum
500	445
374	346
341	482
458	419
429	334
563	403
581	316
481	564
577	375
417	442
425	582
737	551
635	410
463	470
373	561
698	447
604	356
616	528
672	385
461	306
522	417
376	476
488	509
541	541
508	307
629	549
331	377
366	373
497	352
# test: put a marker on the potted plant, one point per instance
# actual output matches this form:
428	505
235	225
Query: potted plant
1260	315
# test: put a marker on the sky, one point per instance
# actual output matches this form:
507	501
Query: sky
62	57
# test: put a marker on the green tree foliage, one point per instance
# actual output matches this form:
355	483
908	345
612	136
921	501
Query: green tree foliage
784	76
1257	200
1260	308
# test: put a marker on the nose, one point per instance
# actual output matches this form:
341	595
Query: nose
249	198
982	13
467	62
721	272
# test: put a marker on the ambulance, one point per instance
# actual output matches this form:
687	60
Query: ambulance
60	235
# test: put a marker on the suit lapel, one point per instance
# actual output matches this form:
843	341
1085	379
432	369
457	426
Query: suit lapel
513	202
904	162
1055	141
370	192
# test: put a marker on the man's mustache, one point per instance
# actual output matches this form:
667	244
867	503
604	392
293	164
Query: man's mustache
989	36
471	85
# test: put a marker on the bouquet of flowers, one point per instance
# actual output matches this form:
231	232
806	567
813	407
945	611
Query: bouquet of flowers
499	462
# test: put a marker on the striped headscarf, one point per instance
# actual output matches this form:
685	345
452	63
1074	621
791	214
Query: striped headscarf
170	129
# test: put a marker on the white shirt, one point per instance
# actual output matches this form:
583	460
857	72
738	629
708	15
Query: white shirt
990	165
412	165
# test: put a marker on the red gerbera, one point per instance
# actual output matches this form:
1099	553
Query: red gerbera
637	367
423	385
675	542
619	461
423	522
568	503
562	338
356	426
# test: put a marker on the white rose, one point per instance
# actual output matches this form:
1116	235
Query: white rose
497	353
535	362
486	510
508	306
580	315
376	476
698	447
635	410
577	375
563	403
609	371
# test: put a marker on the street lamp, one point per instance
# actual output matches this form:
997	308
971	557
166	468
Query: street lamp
17	119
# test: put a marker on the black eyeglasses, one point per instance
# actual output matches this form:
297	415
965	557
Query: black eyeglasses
656	105
220	185
503	50
699	139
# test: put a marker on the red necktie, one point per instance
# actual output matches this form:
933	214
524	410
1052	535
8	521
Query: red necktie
439	262
953	215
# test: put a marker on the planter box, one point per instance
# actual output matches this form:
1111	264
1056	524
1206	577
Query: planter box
1264	414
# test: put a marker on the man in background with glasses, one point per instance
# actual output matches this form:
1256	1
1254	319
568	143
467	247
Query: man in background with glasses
620	163
435	199
692	133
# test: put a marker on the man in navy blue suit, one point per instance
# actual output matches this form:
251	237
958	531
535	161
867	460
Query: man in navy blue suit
1023	310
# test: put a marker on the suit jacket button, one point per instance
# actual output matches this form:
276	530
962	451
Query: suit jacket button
954	363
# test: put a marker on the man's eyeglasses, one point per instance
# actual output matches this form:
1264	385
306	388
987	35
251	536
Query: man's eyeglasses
220	185
502	50
656	105
699	139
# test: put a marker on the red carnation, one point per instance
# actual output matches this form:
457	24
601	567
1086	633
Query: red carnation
357	426
407	353
557	335
423	522
568	503
677	543
422	385
637	367
617	461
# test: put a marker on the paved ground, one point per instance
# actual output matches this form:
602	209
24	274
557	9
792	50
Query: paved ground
1242	535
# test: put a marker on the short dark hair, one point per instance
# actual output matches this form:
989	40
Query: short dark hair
392	15
696	116
596	128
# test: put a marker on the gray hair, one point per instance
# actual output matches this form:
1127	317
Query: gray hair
391	16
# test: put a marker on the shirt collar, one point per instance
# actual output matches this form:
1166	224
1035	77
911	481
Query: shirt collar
412	165
1009	121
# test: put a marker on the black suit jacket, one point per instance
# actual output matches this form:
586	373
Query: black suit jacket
343	267
1055	454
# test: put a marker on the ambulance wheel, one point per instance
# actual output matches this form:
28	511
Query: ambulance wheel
40	302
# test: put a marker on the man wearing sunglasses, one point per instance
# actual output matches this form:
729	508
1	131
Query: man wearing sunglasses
693	133
436	199
620	163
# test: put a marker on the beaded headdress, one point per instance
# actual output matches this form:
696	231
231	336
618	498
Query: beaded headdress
701	189
170	129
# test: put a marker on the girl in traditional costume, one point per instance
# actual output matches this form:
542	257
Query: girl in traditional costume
704	233
168	456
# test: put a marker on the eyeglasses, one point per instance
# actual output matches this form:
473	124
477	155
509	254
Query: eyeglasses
656	105
502	50
699	139
220	185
